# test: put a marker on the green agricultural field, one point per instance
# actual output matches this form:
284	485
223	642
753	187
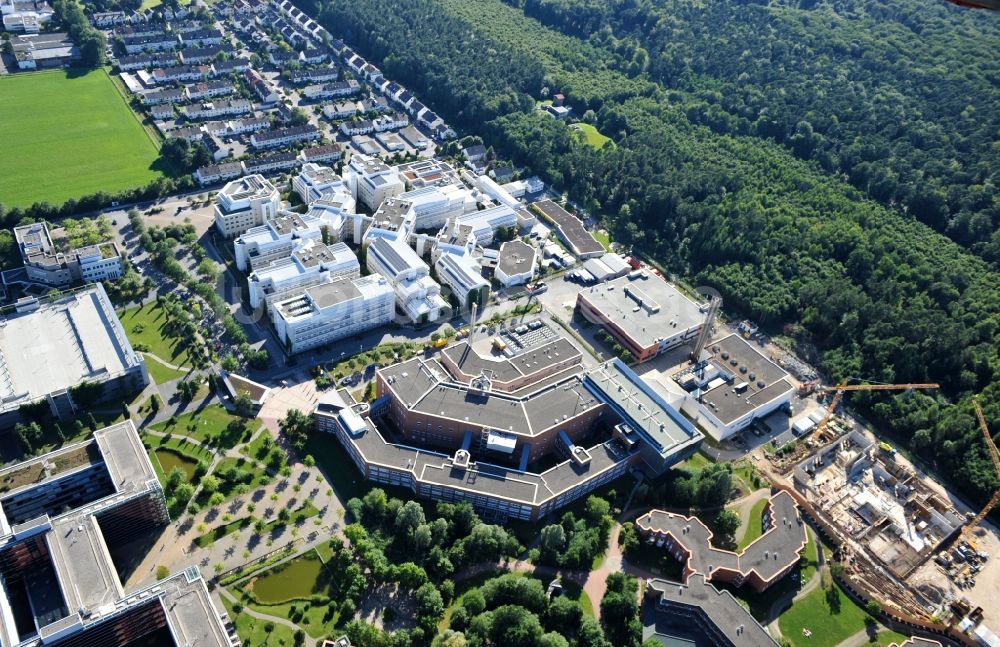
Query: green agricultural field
67	135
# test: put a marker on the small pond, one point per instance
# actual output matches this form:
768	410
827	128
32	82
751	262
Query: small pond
169	459
295	579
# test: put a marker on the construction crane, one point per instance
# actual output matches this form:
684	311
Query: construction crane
843	387
995	455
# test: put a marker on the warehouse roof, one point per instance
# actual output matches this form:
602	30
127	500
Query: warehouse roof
61	344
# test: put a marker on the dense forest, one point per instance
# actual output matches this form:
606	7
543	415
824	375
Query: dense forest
789	241
898	96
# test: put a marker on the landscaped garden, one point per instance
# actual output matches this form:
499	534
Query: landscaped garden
310	589
148	331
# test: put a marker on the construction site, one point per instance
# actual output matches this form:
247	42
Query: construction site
902	538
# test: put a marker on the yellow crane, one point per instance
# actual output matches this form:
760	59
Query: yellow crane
843	387
995	455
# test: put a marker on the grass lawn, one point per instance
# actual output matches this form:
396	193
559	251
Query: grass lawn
208	425
755	525
144	328
160	373
337	466
593	138
696	463
827	612
252	632
217	533
603	238
44	129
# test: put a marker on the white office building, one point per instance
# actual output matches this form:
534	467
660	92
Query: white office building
336	212
464	276
315	181
516	263
417	294
310	265
244	203
45	264
434	205
332	311
371	181
275	239
485	223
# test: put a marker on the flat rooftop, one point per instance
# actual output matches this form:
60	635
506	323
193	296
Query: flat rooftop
424	386
516	257
435	468
720	608
648	413
644	307
60	345
756	379
499	368
769	556
581	242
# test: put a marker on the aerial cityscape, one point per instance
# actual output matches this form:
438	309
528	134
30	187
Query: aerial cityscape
513	323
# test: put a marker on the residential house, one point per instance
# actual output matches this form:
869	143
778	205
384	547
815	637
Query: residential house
332	90
201	38
324	153
225	68
218	173
360	127
154	43
342	110
213	109
179	73
146	61
319	75
271	163
284	136
162	97
193	55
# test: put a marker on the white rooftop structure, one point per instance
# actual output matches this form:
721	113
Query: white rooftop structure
434	205
310	265
275	239
46	348
485	223
464	276
244	203
417	293
489	186
315	181
371	181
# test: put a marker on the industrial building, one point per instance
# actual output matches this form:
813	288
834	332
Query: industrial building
732	386
694	610
61	517
570	230
696	613
765	561
644	313
45	264
244	203
469	425
49	347
332	311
